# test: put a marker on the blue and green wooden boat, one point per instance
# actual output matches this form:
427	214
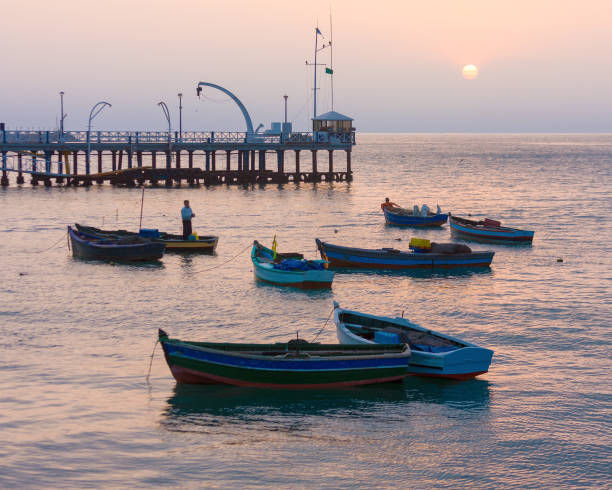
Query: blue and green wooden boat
296	364
432	353
289	269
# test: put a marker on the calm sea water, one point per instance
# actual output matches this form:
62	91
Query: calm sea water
76	336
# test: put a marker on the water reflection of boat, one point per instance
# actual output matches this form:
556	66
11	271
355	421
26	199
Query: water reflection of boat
201	405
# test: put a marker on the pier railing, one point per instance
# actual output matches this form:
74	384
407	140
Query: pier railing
140	137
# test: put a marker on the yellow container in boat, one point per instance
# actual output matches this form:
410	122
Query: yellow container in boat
419	243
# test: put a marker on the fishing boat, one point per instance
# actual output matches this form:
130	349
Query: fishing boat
432	353
174	243
488	230
289	269
395	215
117	249
296	364
438	255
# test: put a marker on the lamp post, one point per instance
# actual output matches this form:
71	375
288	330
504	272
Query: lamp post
180	96
167	114
285	97
61	115
95	110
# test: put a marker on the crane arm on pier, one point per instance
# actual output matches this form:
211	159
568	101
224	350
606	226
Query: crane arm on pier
245	113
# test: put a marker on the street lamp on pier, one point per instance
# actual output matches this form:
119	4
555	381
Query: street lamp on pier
285	97
95	110
62	115
180	96
167	114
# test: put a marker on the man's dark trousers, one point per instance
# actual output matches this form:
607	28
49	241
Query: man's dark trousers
186	228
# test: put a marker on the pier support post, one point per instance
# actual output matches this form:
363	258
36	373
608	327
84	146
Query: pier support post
262	160
75	164
178	158
139	159
154	159
252	160
20	179
280	159
331	164
228	162
207	161
349	172
315	172
99	161
190	158
48	161
213	162
168	182
114	159
129	155
245	161
4	181
120	163
240	153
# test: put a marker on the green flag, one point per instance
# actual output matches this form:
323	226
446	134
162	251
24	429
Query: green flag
329	71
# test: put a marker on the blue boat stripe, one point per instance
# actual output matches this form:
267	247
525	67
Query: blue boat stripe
308	364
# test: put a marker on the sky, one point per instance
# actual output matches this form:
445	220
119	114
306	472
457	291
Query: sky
544	66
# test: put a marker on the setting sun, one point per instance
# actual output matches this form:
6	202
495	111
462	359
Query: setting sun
469	72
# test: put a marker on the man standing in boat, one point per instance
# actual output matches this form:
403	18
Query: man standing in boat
186	214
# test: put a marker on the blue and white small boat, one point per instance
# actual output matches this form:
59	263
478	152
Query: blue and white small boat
443	255
488	230
406	217
289	269
433	353
88	246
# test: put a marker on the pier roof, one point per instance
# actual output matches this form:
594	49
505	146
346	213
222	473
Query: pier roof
332	116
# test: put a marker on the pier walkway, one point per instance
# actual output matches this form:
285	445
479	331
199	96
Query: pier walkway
136	157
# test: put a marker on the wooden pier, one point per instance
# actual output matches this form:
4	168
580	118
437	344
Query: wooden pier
168	158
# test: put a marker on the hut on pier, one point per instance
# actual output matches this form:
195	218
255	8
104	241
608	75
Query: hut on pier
333	127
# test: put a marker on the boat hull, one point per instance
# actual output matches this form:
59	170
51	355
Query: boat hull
86	249
349	257
463	363
174	243
414	221
204	365
481	234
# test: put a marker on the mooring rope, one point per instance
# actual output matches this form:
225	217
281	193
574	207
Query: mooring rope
227	261
44	249
319	332
151	361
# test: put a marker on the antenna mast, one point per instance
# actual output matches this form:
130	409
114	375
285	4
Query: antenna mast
314	111
331	56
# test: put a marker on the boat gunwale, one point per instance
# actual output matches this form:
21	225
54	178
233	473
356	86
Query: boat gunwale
388	351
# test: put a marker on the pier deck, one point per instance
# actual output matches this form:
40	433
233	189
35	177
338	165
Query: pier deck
134	158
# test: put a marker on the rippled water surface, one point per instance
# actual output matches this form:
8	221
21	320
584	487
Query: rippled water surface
76	336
